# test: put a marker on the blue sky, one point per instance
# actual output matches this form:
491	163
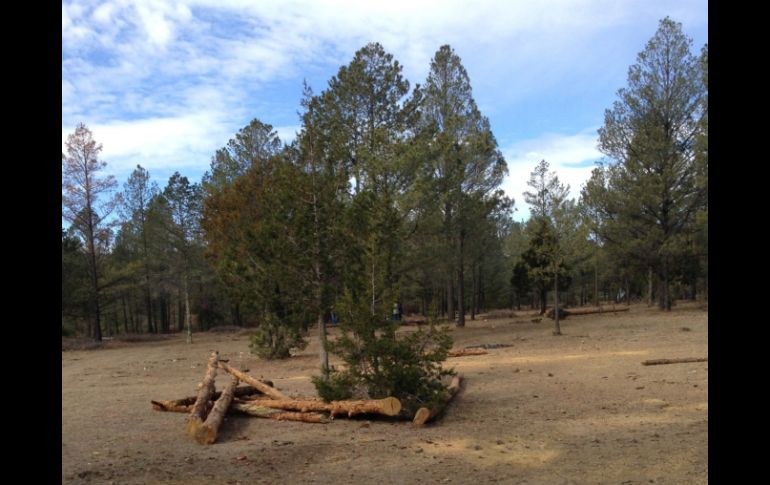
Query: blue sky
166	83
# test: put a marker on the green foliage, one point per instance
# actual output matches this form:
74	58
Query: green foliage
334	385
275	339
644	205
380	363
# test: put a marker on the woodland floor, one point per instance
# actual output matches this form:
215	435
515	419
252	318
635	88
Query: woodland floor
579	408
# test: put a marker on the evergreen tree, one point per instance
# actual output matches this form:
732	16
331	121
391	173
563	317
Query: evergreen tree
651	195
82	189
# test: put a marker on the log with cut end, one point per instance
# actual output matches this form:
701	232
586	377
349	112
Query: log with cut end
255	409
466	352
675	361
206	433
264	389
205	390
185	405
389	406
423	415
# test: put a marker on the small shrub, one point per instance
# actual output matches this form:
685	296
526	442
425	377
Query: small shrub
335	387
380	363
274	339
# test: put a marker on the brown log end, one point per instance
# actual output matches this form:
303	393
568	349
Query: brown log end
421	417
391	406
205	435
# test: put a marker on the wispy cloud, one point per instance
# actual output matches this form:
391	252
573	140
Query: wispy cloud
174	80
572	157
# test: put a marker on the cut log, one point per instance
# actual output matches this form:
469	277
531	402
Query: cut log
255	409
423	415
176	405
389	406
205	390
207	433
264	389
466	352
675	361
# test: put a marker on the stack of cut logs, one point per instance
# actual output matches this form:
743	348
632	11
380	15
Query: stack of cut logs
260	399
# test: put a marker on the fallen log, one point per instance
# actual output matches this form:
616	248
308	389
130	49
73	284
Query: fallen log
251	407
589	311
205	390
175	405
389	406
675	361
206	434
255	409
466	352
263	388
423	415
488	346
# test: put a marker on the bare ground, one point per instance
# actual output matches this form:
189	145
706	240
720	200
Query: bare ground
579	408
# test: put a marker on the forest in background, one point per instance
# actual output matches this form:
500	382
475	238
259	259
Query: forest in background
390	193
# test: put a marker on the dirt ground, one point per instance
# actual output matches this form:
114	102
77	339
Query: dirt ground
579	408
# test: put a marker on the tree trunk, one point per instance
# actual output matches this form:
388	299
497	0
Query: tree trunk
450	304
543	299
160	320
264	388
461	285
131	315
187	316
474	294
179	312
423	415
628	292
649	286
255	409
596	283
663	288
125	313
389	406
207	433
481	301
557	329
323	352
206	389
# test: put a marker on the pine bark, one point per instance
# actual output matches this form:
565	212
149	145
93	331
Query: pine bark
255	409
206	389
264	388
206	434
389	406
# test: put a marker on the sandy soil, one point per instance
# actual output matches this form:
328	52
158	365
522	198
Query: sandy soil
579	408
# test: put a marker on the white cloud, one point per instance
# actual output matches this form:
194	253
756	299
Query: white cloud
562	152
193	69
287	133
185	142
